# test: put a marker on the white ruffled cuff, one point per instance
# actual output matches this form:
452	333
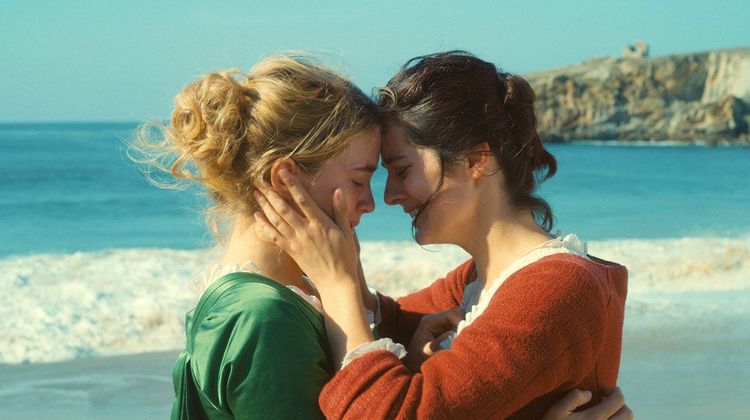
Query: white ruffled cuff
382	344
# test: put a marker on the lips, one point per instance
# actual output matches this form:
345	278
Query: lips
414	211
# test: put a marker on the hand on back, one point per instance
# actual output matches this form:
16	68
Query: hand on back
432	330
612	407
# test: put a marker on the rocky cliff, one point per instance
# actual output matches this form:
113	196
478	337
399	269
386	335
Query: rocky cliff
693	97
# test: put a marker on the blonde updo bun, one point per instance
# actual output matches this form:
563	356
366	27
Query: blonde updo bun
228	128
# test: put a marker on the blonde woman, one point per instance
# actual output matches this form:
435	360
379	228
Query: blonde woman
256	341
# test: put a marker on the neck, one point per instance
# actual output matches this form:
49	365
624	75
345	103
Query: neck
245	245
501	240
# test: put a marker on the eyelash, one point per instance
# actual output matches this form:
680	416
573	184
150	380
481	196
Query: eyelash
357	184
401	173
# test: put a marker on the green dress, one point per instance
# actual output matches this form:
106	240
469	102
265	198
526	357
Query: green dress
255	349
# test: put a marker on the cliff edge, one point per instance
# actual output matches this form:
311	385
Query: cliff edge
693	97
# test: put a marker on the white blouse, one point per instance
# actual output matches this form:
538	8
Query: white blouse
476	300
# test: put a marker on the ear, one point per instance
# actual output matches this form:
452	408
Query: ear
480	161
276	183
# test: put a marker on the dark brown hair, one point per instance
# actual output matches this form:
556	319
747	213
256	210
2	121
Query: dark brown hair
453	101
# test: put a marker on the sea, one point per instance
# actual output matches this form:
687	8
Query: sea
97	262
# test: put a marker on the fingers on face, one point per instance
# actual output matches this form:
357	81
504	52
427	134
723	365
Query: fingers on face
341	210
299	194
271	214
267	229
282	208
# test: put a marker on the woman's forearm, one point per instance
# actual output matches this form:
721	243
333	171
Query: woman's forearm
346	321
369	299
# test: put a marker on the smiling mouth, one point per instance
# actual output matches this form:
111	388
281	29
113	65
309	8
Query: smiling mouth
413	212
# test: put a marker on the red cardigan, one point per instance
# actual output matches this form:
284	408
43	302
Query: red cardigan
554	325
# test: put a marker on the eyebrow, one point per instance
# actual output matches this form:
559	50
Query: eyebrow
365	168
387	160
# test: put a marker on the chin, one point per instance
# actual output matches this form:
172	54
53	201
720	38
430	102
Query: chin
422	237
428	241
427	235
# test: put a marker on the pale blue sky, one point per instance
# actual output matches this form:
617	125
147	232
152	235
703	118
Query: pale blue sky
124	61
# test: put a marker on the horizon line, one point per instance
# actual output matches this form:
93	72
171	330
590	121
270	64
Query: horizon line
78	122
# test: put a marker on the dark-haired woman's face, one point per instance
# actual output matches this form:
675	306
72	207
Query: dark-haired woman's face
413	177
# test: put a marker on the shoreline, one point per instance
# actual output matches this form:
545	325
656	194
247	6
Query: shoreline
661	382
116	387
682	285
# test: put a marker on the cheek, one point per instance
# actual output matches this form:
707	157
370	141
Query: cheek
453	201
355	196
392	183
322	197
417	188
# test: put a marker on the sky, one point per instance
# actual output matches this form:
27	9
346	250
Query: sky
92	61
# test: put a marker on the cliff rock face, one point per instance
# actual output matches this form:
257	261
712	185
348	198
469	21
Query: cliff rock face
701	96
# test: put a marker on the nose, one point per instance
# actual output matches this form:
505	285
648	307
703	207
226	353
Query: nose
393	193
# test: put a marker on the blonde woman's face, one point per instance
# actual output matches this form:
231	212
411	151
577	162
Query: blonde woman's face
351	171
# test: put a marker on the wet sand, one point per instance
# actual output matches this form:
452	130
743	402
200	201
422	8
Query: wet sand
661	380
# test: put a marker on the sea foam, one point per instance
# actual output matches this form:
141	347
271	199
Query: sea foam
120	301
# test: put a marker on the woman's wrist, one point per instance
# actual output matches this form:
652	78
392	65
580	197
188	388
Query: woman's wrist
344	304
369	298
346	319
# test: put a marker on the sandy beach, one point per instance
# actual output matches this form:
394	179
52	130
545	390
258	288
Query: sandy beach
665	379
119	387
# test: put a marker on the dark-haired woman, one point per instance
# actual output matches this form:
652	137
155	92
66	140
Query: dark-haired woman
541	316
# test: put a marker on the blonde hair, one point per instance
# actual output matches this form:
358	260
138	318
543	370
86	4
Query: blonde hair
228	128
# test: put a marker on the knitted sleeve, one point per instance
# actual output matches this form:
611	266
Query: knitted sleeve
401	317
540	334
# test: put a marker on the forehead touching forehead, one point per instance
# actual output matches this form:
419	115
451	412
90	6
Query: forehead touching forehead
362	151
396	145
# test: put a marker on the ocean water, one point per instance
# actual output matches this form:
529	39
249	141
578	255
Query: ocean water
95	261
70	187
